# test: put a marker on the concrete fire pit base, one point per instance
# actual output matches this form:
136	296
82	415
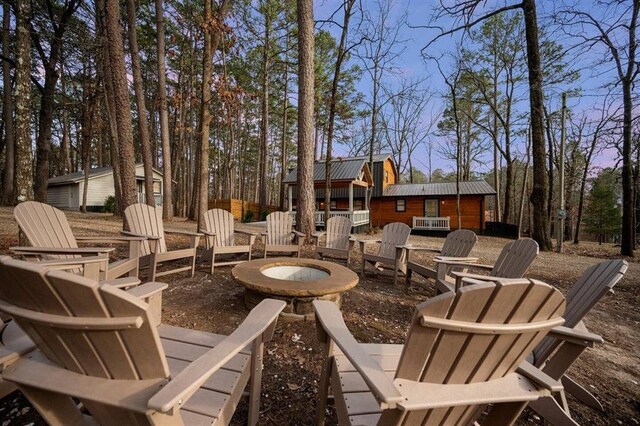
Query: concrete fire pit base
296	281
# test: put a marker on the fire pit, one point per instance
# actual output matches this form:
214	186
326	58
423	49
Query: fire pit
296	281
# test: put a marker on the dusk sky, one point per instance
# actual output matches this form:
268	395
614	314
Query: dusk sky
411	64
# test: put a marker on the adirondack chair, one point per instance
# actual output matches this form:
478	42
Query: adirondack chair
338	242
392	251
280	237
560	349
48	231
462	352
146	221
100	345
456	247
513	262
219	236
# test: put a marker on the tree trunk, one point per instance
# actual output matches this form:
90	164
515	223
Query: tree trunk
143	129
285	133
23	182
167	197
306	196
50	64
7	111
121	103
87	130
65	157
540	231
348	5
628	222
264	124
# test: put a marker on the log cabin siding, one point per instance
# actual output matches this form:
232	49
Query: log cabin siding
383	210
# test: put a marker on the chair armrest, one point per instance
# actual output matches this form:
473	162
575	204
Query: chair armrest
133	234
122	283
426	396
318	234
298	233
180	232
185	384
368	241
581	337
111	239
54	250
419	248
330	318
458	259
76	262
207	233
404	246
146	290
539	377
462	264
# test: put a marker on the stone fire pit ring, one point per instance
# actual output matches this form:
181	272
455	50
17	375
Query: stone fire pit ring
297	281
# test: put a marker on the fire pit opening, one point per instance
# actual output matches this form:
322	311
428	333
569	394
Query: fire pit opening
295	273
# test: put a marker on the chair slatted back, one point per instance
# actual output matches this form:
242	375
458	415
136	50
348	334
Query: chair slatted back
338	232
100	347
220	222
459	243
434	354
146	220
279	226
515	258
393	234
592	285
45	226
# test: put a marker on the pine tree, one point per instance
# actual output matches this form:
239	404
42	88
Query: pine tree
603	214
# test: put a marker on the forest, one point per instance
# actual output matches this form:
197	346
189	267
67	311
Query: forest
226	96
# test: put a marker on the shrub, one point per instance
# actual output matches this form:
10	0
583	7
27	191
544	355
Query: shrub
248	216
109	204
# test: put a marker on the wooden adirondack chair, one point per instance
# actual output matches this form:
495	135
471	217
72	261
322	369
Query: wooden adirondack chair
48	231
513	262
146	221
462	352
392	251
560	349
101	346
219	236
456	247
338	242
280	237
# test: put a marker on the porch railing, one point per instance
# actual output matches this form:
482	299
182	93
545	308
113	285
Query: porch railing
434	223
358	217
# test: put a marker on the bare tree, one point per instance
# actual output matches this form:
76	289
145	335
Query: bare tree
306	196
7	110
23	183
167	172
465	17
143	128
617	35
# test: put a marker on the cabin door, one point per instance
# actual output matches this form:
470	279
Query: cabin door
431	207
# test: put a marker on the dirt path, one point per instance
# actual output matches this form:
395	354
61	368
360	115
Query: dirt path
378	311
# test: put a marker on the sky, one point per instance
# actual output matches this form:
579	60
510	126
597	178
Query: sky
411	63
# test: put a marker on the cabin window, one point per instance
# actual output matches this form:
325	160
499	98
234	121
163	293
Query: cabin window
156	188
386	176
401	205
431	208
333	205
357	205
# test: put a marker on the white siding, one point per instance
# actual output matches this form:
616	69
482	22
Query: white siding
58	196
99	189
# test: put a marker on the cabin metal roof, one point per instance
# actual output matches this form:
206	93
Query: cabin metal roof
344	169
93	173
434	189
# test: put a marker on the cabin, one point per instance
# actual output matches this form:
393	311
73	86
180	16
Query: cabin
429	207
66	191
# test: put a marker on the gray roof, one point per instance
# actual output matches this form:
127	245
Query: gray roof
345	169
79	176
376	158
479	187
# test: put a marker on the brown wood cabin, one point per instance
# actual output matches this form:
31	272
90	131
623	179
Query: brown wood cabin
424	207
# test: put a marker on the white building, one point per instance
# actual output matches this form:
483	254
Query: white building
66	191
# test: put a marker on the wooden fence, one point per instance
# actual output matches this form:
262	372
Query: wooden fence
239	208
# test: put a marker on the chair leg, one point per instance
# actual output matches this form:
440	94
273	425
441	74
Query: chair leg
153	265
395	273
364	263
256	380
323	392
581	394
193	263
213	260
550	410
407	277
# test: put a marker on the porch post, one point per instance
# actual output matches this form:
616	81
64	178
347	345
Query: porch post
351	196
290	197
